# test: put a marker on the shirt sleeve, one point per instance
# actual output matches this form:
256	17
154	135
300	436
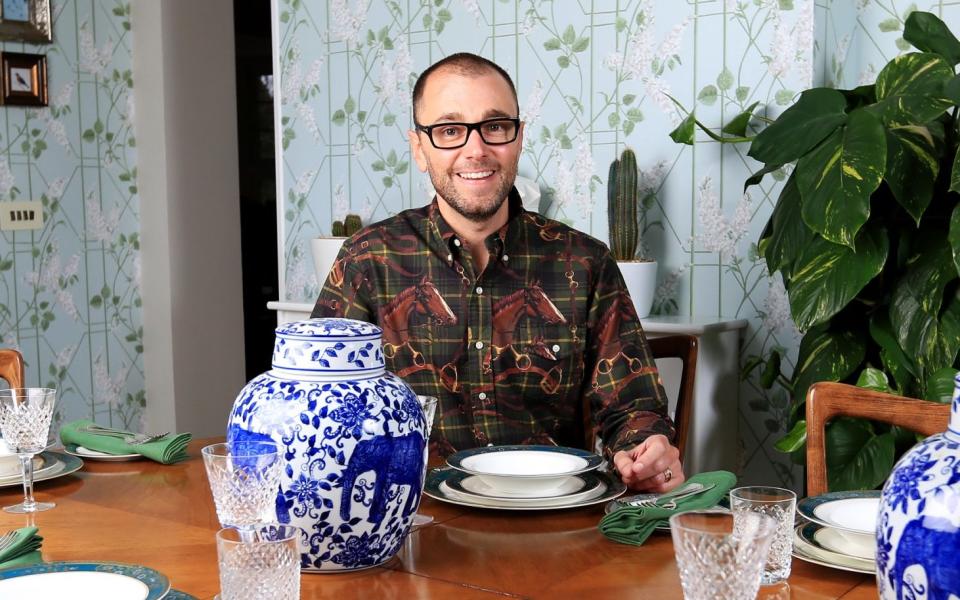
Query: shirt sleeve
344	293
624	390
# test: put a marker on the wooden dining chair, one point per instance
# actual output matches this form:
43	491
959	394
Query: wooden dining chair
11	367
684	347
826	400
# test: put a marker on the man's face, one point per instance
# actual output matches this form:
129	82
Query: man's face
475	179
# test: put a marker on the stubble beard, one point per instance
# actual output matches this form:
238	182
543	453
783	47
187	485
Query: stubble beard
477	211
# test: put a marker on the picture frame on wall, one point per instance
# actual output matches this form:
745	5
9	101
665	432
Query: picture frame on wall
26	21
24	79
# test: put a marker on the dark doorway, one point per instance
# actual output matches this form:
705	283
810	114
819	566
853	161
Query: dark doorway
258	199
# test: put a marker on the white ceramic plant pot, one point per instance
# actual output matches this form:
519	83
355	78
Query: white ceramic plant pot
324	250
641	280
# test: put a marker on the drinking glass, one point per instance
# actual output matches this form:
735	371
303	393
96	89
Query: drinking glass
25	415
244	478
720	555
266	567
781	505
429	406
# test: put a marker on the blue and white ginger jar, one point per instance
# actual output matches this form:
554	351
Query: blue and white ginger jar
352	437
918	527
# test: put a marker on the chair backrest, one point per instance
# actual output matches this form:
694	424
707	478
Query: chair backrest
11	367
684	347
826	400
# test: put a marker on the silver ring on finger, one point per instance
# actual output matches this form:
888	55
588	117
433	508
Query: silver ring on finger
667	475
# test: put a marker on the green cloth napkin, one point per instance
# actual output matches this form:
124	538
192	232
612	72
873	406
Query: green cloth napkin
25	550
634	524
170	449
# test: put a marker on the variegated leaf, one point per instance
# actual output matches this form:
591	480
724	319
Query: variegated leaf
786	235
837	177
912	167
816	114
910	88
827	276
826	356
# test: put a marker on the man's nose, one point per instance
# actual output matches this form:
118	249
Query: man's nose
475	145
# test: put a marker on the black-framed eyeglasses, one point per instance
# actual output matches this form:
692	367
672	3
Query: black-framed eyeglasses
493	132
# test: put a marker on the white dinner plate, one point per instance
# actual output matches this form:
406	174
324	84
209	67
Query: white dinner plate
836	541
525	470
436	487
87	453
44	464
471	484
56	464
805	547
83	581
853	512
580	488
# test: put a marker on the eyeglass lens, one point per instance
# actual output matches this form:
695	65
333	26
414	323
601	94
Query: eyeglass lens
494	131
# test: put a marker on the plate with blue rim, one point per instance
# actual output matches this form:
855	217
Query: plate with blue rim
852	511
436	487
55	464
577	487
807	548
83	580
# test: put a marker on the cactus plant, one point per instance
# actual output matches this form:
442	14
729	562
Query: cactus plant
623	199
351	224
337	230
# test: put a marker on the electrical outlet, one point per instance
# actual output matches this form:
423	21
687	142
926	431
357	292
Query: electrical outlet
21	215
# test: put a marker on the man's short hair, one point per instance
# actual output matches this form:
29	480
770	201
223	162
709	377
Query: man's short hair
464	63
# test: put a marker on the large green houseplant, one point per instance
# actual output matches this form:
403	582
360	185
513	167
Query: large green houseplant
866	234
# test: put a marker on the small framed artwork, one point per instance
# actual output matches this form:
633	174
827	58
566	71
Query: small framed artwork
24	79
26	21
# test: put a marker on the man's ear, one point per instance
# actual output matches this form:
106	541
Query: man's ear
416	150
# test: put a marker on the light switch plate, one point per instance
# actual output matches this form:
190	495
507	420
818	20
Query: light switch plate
21	215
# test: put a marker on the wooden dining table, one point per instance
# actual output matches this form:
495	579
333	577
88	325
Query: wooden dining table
162	517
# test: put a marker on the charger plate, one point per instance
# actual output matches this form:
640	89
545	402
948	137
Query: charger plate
83	581
56	464
578	488
436	487
806	548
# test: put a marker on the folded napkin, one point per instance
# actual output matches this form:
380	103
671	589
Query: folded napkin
634	524
170	449
25	549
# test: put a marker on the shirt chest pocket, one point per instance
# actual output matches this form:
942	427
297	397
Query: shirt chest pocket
543	359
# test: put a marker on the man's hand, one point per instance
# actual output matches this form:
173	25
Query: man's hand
651	466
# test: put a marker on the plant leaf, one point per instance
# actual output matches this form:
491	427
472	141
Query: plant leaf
953	237
788	234
816	114
874	379
896	362
917	298
828	276
928	33
826	356
940	386
837	177
912	168
868	466
684	133
758	176
910	88
794	440
738	125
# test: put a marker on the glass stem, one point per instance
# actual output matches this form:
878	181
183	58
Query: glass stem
29	504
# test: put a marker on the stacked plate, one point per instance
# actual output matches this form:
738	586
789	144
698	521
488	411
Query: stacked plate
523	478
841	532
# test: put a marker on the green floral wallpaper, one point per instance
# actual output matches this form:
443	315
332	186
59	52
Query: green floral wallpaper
70	292
592	77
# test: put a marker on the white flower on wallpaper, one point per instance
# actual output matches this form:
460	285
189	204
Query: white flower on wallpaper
473	8
101	227
530	111
667	288
341	204
108	390
305	112
394	88
776	307
94	60
52	276
868	75
718	233
7	180
55	188
303	184
64	96
791	48
348	17
300	279
130	113
65	356
573	181
528	23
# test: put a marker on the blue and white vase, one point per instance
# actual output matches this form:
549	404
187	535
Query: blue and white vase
918	527
352	436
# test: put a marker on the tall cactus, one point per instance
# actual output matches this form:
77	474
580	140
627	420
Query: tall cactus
622	205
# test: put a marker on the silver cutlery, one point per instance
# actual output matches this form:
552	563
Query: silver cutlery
668	500
127	436
7	540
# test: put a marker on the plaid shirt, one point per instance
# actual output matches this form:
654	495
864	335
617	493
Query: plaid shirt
523	353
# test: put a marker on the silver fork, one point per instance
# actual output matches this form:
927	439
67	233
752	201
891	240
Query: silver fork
7	540
143	438
671	498
126	436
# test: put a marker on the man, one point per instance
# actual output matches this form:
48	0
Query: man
520	325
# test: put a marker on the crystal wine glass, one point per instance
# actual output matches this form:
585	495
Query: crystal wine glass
429	406
244	477
25	415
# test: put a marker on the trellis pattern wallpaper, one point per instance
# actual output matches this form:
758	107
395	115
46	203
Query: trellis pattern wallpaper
592	77
70	292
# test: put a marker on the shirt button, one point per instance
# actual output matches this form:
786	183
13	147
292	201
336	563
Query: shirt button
479	290
456	242
505	258
479	345
449	258
482	396
556	347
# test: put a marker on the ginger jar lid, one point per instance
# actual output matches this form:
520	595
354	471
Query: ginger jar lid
329	347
